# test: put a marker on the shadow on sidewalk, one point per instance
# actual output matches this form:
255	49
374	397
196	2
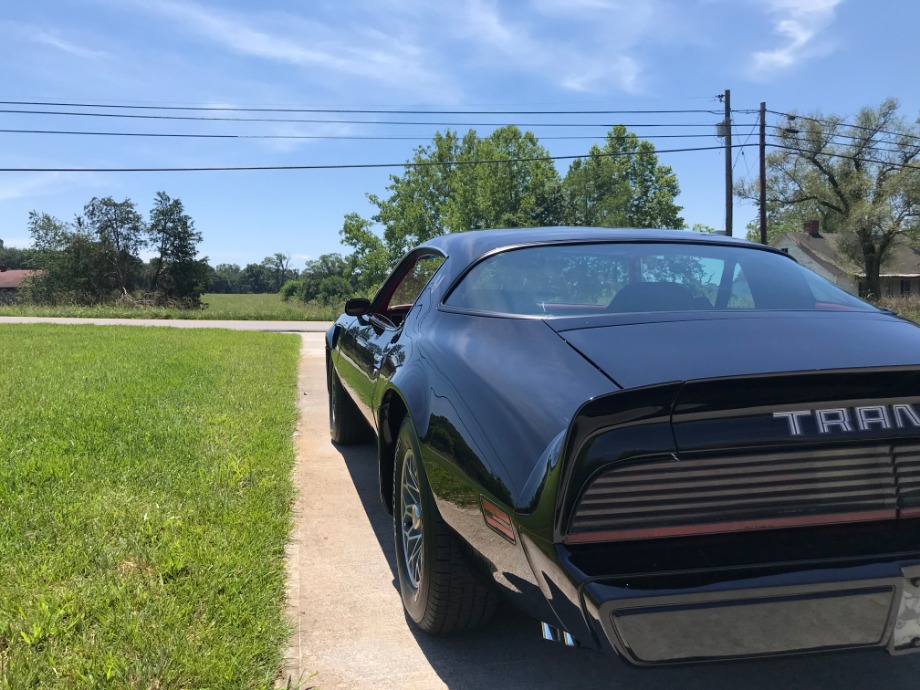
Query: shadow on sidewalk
511	654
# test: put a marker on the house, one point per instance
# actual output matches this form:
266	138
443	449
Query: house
823	254
10	281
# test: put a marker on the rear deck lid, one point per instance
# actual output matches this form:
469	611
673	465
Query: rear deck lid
645	349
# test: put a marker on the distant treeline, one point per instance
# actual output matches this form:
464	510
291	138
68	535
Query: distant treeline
457	183
96	258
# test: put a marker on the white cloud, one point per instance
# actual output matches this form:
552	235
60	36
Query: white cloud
23	185
573	64
800	23
51	38
32	185
302	130
390	61
624	70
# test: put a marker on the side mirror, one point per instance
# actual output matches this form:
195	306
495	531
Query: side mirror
357	306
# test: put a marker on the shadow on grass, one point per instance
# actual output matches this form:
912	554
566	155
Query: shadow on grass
510	653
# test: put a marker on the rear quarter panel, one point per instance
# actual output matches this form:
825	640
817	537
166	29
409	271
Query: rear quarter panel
488	396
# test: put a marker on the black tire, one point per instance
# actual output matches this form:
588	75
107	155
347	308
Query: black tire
440	591
346	425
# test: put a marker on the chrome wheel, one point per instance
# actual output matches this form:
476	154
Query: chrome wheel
411	520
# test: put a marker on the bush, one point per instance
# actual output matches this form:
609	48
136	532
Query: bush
334	289
290	289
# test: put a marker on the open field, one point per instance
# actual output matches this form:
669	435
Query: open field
145	500
268	307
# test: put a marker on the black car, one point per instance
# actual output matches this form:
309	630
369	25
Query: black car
674	446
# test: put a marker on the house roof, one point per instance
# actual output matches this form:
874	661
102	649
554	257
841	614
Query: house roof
827	250
13	278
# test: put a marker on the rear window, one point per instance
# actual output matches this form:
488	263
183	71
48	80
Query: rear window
567	280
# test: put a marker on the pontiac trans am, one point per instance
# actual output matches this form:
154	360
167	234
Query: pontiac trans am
672	446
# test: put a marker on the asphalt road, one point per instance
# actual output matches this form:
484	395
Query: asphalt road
351	633
280	326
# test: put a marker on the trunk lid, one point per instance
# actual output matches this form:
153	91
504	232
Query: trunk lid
646	349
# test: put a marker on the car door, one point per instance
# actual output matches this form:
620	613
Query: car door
365	344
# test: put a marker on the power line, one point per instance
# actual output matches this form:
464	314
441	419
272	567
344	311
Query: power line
793	132
363	111
421	164
347	122
793	116
875	149
863	159
298	136
741	152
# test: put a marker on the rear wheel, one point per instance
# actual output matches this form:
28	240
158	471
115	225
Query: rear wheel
440	590
346	425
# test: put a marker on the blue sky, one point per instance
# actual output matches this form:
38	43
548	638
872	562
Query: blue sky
830	56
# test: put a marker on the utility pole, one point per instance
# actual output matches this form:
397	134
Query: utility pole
728	162
763	173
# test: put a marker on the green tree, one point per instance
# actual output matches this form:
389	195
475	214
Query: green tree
73	263
277	269
256	279
621	184
176	273
119	228
369	261
522	192
227	279
325	279
15	258
861	179
454	184
507	180
334	289
705	229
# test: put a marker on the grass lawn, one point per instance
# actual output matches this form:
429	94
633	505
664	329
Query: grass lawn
240	307
144	506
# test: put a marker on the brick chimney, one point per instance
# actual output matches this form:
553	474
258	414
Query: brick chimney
811	227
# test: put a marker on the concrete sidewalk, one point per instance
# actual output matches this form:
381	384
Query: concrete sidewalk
351	633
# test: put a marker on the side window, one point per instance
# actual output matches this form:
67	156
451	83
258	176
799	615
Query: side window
414	282
698	276
823	291
740	296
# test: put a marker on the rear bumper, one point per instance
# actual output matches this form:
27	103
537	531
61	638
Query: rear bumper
742	619
717	615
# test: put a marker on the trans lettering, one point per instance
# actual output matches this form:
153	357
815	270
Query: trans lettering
837	420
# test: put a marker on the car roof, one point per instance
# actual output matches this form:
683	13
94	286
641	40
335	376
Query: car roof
465	248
